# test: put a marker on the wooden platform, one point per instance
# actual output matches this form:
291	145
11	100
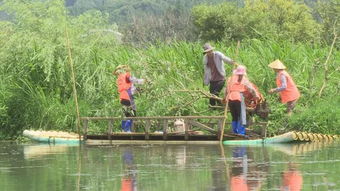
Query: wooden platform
198	130
148	142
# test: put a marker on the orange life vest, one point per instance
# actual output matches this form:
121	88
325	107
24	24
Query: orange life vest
291	92
235	88
123	86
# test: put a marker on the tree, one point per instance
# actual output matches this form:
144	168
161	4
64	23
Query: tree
280	19
328	12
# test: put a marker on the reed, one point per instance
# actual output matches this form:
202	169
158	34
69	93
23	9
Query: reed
41	96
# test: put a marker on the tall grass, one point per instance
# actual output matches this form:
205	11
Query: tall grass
41	96
170	67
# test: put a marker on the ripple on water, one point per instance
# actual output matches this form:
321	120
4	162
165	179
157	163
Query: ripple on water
80	174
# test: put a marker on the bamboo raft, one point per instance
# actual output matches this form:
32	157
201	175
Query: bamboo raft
159	130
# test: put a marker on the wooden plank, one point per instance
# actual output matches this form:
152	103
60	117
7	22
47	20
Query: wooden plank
110	126
198	124
165	129
85	126
147	129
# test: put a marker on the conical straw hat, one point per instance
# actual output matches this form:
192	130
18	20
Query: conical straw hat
277	64
120	69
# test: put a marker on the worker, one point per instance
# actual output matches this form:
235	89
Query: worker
238	84
214	72
126	89
285	86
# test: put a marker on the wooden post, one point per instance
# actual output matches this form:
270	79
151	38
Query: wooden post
224	120
85	125
186	127
165	129
133	126
147	129
264	131
110	125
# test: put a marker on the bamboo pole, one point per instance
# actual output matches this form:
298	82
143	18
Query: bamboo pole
227	101
73	81
326	62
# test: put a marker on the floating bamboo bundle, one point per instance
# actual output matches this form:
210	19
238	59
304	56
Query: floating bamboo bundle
313	137
289	137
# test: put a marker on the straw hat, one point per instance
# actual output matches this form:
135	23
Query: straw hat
277	64
240	70
207	47
120	69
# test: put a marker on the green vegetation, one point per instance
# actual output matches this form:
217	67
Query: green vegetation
273	18
36	90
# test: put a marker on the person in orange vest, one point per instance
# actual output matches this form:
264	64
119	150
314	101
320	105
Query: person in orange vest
126	89
286	87
238	83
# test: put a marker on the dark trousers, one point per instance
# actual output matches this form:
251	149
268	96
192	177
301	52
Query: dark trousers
127	109
235	109
215	88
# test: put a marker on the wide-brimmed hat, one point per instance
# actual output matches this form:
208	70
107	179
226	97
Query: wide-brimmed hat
207	47
240	70
277	64
120	69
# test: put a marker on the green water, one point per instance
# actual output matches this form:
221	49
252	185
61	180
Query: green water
42	167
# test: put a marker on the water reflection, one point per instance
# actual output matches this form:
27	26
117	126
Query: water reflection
167	168
36	151
239	170
291	178
246	172
129	179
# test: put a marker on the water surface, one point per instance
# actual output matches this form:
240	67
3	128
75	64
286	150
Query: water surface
34	167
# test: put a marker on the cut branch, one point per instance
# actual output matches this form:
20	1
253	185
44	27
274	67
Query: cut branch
203	93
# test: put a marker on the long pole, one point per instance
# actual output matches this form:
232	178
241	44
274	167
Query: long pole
73	82
227	101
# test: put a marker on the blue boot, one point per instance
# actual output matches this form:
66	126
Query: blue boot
234	126
126	125
241	129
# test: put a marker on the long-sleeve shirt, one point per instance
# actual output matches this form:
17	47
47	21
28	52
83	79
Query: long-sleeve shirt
134	80
218	58
283	83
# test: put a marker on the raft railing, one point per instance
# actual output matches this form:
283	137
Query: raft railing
163	121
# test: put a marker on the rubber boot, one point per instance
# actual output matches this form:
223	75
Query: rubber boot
241	129
234	126
126	125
